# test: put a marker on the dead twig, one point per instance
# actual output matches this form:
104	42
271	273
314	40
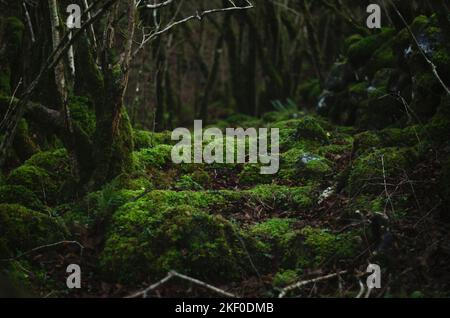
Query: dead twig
173	274
289	288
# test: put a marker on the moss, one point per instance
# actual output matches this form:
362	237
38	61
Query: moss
359	89
148	139
186	182
310	129
323	245
284	278
282	197
300	165
82	113
24	145
273	229
383	57
46	174
23	229
14	194
143	243
366	141
367	174
159	156
361	51
352	39
251	175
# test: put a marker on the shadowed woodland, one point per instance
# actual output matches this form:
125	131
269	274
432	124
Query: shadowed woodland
85	148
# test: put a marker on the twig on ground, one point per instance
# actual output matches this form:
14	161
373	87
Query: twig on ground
289	288
173	274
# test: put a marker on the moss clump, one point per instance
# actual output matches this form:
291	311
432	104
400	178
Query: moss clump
147	139
46	174
282	197
310	129
361	51
159	156
299	165
143	242
322	245
366	141
284	278
367	174
20	195
22	229
82	113
251	175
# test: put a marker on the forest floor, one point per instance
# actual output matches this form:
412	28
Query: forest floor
342	199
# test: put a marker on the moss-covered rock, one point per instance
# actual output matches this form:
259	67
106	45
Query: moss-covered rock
361	51
367	175
310	129
145	241
321	245
22	229
299	165
46	174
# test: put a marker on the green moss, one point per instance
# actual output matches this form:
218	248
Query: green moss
14	194
159	156
143	243
359	89
186	182
361	51
283	197
148	139
310	129
251	175
284	278
46	174
299	165
322	245
367	174
23	229
274	229
366	141
82	113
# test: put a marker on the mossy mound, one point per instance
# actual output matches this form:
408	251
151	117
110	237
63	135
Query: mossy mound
45	174
20	195
370	170
306	248
147	139
359	52
22	229
148	241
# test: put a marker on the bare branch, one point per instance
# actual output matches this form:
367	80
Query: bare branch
289	288
197	15
173	274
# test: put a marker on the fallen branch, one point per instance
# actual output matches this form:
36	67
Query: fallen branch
173	274
289	288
